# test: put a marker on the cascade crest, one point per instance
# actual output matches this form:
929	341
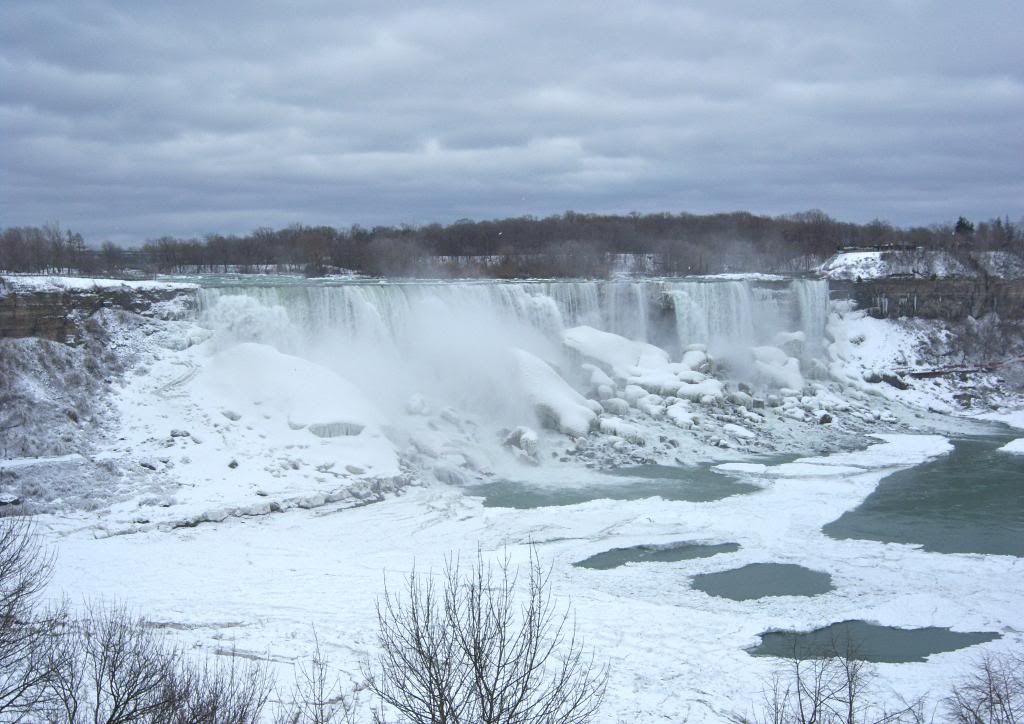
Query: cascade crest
619	358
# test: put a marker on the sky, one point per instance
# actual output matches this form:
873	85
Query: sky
128	120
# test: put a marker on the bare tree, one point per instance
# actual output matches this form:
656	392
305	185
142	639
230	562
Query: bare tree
319	696
830	687
229	692
26	664
993	693
112	668
475	649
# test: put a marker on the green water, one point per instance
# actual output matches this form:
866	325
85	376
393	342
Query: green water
666	553
759	580
696	485
867	642
970	501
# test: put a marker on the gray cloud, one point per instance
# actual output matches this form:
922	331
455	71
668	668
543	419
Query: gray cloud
127	120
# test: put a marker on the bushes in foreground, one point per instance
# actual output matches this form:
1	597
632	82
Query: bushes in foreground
464	647
467	652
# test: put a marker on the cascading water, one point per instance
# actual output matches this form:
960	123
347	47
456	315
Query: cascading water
500	351
719	314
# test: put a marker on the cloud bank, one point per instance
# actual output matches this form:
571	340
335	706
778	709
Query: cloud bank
128	120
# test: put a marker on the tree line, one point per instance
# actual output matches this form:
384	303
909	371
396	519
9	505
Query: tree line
569	244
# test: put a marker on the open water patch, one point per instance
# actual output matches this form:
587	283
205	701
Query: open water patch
655	553
865	641
969	501
760	580
694	485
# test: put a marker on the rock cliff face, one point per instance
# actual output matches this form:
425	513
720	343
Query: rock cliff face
57	314
948	299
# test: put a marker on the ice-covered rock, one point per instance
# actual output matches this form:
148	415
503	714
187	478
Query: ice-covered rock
617	353
558	406
681	415
598	377
620	428
739	431
699	391
616	406
1015	447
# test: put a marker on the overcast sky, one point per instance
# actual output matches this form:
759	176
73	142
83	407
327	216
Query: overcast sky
127	120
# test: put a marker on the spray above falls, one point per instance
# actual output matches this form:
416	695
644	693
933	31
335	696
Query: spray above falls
571	356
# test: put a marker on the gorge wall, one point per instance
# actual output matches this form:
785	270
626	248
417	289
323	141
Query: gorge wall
57	313
946	299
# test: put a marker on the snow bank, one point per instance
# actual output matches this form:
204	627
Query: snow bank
881	264
621	355
256	380
1015	447
33	283
557	404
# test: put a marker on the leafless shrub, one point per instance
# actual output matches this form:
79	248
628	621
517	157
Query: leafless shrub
832	689
993	693
233	692
468	650
111	667
25	633
318	696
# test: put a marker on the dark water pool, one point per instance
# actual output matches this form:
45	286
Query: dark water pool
970	501
696	484
759	580
663	553
867	642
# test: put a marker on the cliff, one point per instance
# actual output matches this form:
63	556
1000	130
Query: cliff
54	308
948	299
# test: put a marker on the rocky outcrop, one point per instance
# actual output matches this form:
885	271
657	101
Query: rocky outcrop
948	299
58	313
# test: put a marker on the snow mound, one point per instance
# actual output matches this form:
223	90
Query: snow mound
255	379
558	405
902	263
36	283
1015	447
621	355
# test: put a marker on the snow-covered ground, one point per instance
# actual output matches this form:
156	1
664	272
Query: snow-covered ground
241	457
262	585
36	283
923	264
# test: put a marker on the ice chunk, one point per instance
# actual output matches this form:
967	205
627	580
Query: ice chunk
558	405
284	387
621	428
619	354
739	431
1016	447
700	390
680	414
597	375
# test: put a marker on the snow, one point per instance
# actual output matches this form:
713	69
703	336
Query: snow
265	584
37	283
1000	264
15	463
563	407
907	263
277	451
621	355
1014	446
258	381
1013	418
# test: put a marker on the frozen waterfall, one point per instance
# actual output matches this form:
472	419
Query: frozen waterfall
516	353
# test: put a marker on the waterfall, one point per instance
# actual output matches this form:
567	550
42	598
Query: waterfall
454	339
